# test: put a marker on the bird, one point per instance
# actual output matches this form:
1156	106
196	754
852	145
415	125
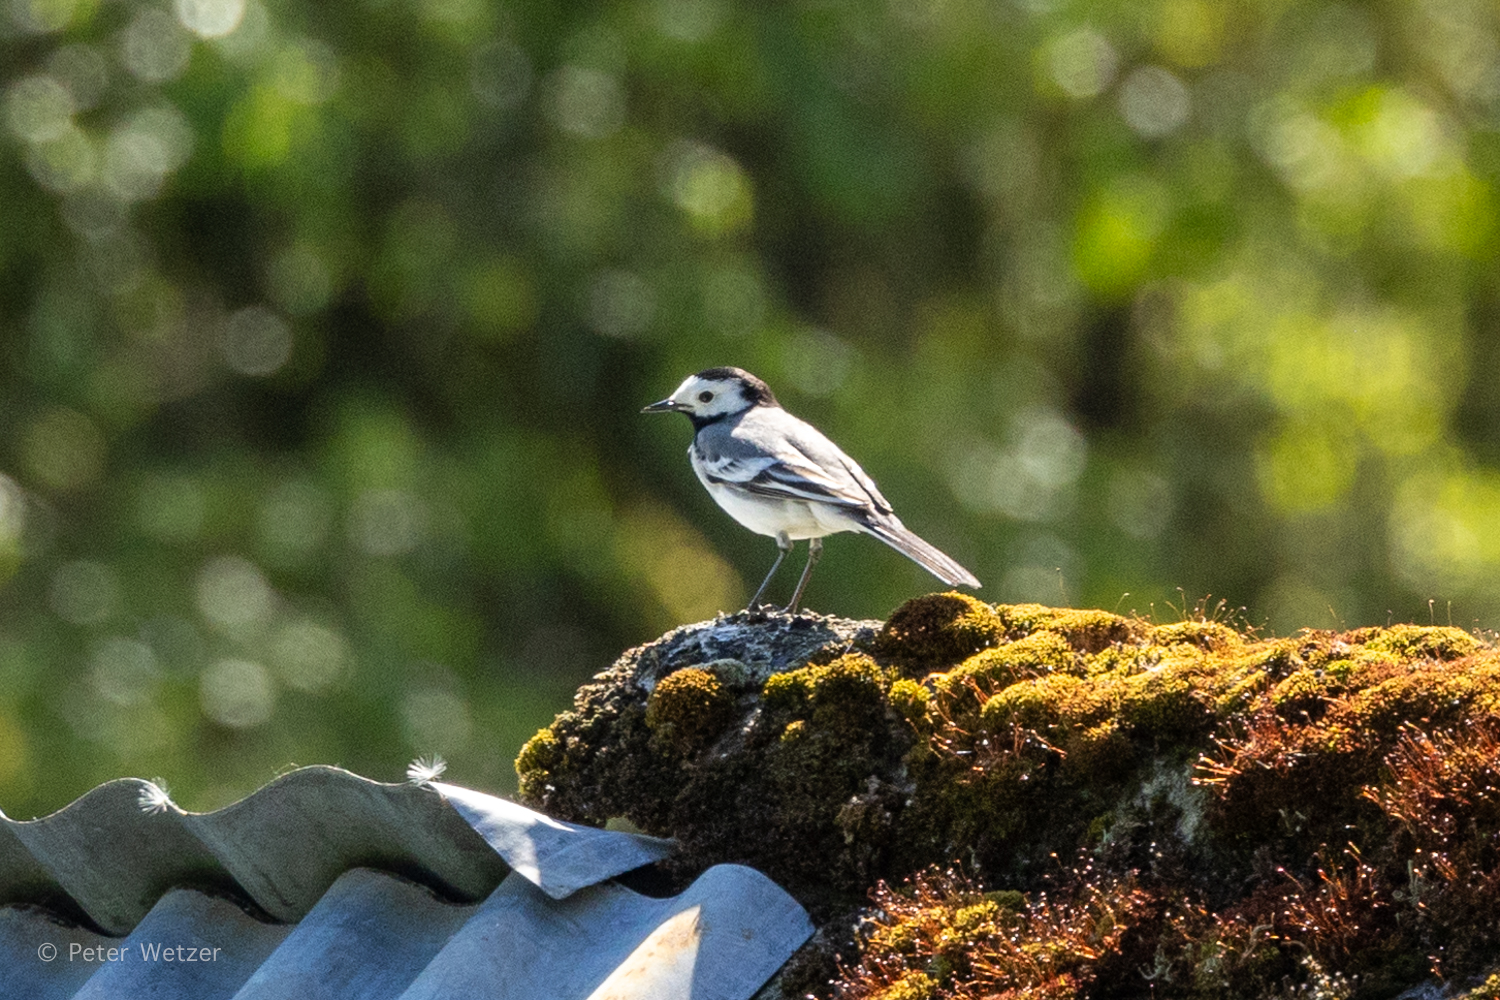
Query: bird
780	476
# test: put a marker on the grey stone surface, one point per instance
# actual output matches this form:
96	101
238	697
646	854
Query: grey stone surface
758	642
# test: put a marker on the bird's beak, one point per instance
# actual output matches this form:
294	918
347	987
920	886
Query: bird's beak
665	406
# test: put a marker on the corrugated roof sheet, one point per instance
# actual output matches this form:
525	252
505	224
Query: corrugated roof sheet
327	885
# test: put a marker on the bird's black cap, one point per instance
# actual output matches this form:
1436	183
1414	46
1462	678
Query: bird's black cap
756	391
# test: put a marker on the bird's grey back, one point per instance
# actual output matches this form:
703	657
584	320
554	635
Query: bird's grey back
764	432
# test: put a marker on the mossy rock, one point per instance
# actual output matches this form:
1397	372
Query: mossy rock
1267	815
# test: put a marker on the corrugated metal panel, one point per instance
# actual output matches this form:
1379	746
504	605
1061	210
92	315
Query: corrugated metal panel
326	885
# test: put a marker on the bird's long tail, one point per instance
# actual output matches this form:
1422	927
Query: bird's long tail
928	556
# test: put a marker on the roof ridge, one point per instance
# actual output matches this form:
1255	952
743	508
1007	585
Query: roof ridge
106	860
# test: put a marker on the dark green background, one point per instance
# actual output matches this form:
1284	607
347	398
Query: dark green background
324	339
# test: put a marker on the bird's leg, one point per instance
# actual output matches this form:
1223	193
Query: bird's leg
814	553
783	546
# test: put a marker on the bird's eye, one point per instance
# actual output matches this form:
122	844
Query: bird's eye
705	397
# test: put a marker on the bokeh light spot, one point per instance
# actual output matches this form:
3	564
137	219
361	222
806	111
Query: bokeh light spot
124	671
587	102
12	525
1305	467
387	522
734	300
688	21
501	298
239	694
255	342
84	592
1139	503
309	655
43	16
306	72
154	47
620	304
687	578
294	521
709	186
38	108
1082	63
1154	102
1116	234
140	153
82	69
1404	137
298	279
1190	32
210	18
500	74
170	507
817	362
64	450
65	163
233	593
1051	451
436	720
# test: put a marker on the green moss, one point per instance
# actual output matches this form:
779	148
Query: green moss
1086	631
1007	899
1042	704
788	692
1432	642
911	700
1099	755
851	685
1303	694
1487	990
1023	619
688	709
939	630
911	986
1339	669
1174	701
1032	656
1208	635
975	918
536	761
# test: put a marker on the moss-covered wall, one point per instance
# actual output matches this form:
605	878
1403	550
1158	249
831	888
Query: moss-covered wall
1068	803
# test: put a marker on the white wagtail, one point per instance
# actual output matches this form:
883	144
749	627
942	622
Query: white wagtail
780	476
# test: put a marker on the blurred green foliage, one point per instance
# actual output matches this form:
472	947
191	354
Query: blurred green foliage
326	325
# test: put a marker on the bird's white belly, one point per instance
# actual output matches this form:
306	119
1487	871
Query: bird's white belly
767	516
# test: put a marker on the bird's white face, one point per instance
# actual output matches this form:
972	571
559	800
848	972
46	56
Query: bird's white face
707	398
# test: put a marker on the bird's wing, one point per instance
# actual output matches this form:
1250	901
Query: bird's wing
779	456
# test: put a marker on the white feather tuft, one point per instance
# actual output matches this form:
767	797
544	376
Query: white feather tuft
423	772
154	798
